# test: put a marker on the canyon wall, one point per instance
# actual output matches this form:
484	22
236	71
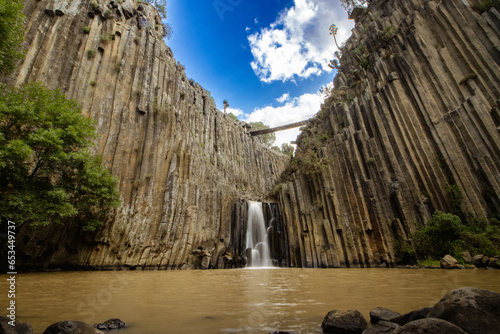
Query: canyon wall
181	163
412	126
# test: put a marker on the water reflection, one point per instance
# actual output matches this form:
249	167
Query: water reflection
231	301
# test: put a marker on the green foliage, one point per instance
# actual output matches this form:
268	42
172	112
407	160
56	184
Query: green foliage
108	14
446	234
267	139
455	196
161	6
106	38
93	83
233	116
86	30
287	149
90	53
349	5
388	33
94	6
404	252
486	5
11	34
48	173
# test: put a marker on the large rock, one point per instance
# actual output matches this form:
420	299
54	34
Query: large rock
476	311
344	322
412	316
478	260
19	328
381	313
449	262
431	326
467	257
382	327
71	327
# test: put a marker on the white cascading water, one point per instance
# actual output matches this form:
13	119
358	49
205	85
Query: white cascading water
258	253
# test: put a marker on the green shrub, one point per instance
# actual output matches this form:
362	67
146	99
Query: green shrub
388	33
86	30
11	34
439	237
90	53
108	14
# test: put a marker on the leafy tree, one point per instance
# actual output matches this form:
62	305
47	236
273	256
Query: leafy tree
287	149
11	34
226	105
267	139
349	5
47	171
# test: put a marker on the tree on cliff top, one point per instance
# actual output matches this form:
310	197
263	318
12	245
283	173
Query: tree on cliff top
268	139
349	5
47	171
161	5
11	34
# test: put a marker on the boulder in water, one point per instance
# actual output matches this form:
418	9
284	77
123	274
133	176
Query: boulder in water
19	328
110	324
340	322
382	327
474	310
71	327
381	313
429	326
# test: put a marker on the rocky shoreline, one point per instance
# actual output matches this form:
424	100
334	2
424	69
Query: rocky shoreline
465	310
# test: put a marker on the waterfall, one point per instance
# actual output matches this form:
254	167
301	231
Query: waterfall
257	242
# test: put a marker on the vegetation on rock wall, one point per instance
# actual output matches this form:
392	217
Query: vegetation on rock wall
267	139
446	233
11	34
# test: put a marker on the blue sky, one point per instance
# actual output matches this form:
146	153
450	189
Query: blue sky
268	58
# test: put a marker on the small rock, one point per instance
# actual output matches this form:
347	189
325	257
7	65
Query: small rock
381	313
59	12
382	327
71	327
478	260
485	261
340	322
413	315
467	257
186	266
494	262
205	262
429	325
474	310
110	324
50	12
448	262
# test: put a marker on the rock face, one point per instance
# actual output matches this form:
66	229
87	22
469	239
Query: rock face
414	117
181	162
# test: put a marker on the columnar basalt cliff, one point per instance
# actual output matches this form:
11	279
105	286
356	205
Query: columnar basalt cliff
181	162
413	121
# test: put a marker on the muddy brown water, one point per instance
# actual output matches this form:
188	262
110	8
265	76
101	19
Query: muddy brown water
230	301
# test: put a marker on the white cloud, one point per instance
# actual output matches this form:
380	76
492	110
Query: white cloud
298	109
283	98
298	43
237	112
247	29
